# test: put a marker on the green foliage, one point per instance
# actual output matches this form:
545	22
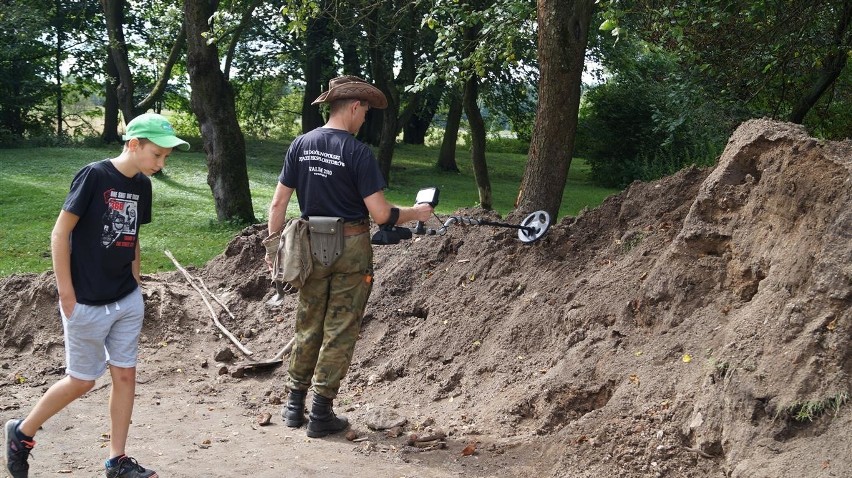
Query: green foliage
646	121
499	143
268	108
832	115
494	41
758	58
24	68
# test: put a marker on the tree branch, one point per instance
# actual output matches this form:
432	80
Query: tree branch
160	87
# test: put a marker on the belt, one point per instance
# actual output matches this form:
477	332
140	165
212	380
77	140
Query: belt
355	228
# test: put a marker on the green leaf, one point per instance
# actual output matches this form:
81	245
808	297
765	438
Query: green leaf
608	25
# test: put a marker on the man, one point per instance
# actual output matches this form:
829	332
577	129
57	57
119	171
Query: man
334	175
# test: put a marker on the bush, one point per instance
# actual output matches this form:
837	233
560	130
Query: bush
647	122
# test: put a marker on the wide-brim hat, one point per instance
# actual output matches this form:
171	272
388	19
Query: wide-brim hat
156	129
352	87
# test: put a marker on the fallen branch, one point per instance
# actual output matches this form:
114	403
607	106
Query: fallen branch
218	301
287	348
221	327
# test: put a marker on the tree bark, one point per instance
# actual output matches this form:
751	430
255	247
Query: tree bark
110	133
114	15
563	30
832	66
60	37
447	156
212	101
418	123
477	140
383	78
318	53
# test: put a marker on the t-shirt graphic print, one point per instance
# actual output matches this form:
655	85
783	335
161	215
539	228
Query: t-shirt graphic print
119	220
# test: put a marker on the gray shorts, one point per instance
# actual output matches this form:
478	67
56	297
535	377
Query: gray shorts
97	334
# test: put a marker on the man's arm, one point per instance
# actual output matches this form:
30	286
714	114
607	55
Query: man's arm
380	210
60	251
278	208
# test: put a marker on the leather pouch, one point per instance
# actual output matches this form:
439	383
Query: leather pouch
326	238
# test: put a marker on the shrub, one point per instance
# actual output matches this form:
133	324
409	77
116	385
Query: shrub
646	122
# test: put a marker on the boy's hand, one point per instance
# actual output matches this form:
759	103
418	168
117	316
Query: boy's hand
67	305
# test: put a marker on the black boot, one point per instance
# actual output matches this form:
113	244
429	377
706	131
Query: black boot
294	412
322	420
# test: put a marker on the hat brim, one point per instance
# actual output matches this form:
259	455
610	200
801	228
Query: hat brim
169	142
355	91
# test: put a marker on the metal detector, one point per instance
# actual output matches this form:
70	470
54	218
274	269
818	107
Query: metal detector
531	229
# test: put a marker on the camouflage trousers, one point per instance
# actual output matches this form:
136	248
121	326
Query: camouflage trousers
328	318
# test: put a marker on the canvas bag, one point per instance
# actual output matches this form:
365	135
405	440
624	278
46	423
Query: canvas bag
290	251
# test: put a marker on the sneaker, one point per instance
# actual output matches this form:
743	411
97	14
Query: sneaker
17	451
129	468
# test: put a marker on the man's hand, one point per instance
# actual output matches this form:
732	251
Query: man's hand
271	246
422	211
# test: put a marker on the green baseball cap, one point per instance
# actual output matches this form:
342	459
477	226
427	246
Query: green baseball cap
156	129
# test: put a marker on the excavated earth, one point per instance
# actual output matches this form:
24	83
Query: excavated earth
696	326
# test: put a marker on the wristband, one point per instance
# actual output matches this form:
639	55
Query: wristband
394	216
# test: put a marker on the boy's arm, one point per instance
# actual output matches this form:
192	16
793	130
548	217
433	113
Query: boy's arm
136	267
60	250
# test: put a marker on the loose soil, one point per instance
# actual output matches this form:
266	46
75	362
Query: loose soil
690	327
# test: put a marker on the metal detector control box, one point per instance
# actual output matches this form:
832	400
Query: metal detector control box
427	196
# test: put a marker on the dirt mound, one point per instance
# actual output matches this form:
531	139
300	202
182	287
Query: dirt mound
694	326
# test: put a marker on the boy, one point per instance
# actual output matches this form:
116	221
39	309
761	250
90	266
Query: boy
95	249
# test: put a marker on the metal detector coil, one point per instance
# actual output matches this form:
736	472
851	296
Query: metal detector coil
534	226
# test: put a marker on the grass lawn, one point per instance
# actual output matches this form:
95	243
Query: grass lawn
34	182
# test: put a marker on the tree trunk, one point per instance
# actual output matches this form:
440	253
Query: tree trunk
110	133
212	102
351	59
383	78
418	123
447	156
318	47
60	37
832	66
477	140
563	30
114	15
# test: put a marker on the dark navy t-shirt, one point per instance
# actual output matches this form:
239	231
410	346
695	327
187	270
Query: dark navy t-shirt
332	173
111	208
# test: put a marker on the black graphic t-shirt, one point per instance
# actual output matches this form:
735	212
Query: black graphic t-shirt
111	208
332	173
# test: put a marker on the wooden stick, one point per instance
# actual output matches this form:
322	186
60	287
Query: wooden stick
218	301
286	349
206	302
